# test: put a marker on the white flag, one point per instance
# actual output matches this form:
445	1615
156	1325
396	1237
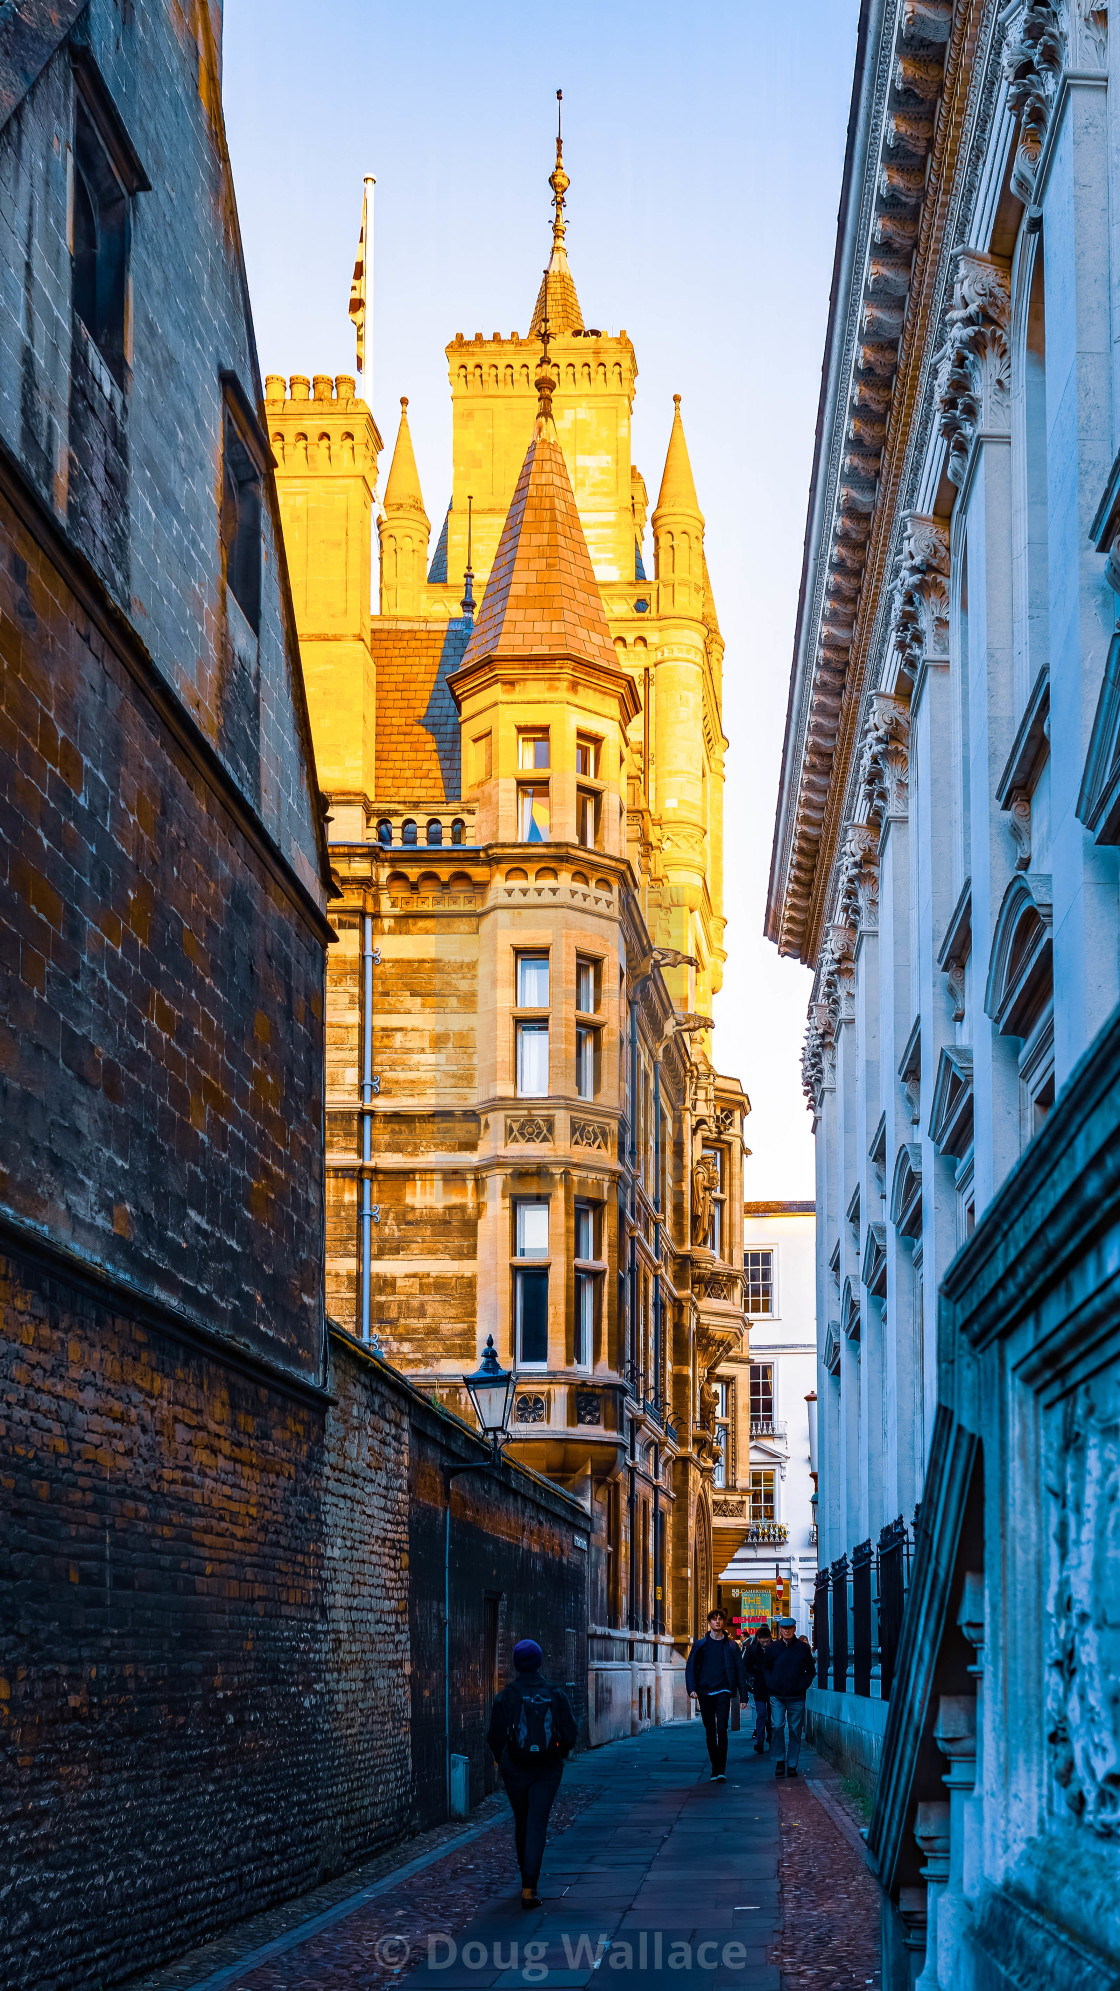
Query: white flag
361	286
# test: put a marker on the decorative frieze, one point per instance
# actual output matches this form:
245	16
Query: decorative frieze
973	383
530	1130
591	1134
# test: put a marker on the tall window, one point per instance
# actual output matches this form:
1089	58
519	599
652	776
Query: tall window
587	1270
101	229
532	981
587	1000
532	750
723	1433
586	1047
243	465
762	1399
759	1268
587	1034
532	1031
530	1295
762	1494
587	756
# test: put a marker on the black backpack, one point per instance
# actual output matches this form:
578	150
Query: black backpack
533	1736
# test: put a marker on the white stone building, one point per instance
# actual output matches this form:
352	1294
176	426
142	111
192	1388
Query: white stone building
763	1516
945	859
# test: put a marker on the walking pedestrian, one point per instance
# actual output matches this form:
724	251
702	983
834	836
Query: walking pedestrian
712	1676
790	1670
532	1730
754	1683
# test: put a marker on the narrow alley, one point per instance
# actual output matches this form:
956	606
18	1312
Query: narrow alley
653	1875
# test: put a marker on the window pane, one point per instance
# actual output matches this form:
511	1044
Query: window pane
762	1496
762	1393
532	1230
585	986
532	1060
584	1231
586	819
532	750
533	815
587	757
532	1317
585	1319
532	981
585	1064
759	1268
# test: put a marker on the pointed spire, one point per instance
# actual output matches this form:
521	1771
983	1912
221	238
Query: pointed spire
678	491
557	295
542	599
402	491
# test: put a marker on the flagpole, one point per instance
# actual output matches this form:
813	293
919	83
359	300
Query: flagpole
367	228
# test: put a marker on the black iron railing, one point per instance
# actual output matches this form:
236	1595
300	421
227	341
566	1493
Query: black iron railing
820	1626
839	1574
862	1647
894	1572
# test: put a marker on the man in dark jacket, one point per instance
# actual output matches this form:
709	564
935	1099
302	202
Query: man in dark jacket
712	1676
754	1683
790	1669
532	1730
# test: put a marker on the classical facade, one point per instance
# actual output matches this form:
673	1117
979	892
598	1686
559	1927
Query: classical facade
523	753
945	859
764	1516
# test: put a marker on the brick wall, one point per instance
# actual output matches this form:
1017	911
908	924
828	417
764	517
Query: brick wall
221	1656
161	1083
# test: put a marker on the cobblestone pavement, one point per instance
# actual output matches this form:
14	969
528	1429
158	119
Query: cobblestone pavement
653	1877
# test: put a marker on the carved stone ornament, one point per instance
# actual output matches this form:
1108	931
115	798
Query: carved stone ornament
884	762
818	1068
973	382
529	1408
531	1129
589	1407
1019	822
920	596
1033	58
726	1119
859	886
591	1134
705	1182
1083	1708
729	1506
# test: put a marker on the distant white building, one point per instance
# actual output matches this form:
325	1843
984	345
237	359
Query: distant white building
763	1516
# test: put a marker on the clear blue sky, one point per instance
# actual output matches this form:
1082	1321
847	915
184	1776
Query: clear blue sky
705	146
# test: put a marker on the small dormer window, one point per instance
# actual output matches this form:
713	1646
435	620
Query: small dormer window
385	833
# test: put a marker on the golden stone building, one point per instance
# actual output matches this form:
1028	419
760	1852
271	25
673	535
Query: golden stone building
525	1136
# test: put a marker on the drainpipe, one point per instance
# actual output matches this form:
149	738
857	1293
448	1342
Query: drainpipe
657	1349
367	1120
633	1254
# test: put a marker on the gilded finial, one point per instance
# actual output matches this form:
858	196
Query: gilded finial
544	382
467	603
558	180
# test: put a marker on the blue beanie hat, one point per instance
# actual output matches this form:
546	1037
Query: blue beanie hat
527	1655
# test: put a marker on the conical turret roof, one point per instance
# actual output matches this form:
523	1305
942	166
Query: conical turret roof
402	490
678	491
542	598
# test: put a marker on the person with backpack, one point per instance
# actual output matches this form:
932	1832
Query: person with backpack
532	1730
711	1675
754	1683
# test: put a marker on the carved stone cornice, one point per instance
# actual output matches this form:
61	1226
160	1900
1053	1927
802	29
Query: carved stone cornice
973	385
884	762
905	120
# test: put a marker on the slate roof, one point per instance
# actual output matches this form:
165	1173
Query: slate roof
417	745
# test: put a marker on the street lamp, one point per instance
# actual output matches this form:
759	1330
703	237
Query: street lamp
491	1392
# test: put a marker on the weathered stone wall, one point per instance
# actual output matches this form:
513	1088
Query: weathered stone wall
221	1646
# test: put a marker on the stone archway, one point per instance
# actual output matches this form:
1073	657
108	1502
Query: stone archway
701	1569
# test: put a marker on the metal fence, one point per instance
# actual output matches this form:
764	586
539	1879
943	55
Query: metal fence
857	1612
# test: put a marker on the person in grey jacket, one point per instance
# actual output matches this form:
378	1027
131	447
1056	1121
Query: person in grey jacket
712	1676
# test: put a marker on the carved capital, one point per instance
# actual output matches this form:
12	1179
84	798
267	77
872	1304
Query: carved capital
920	596
884	766
1033	56
973	367
859	891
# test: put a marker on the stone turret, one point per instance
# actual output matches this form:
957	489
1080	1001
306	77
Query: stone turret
678	530
403	529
